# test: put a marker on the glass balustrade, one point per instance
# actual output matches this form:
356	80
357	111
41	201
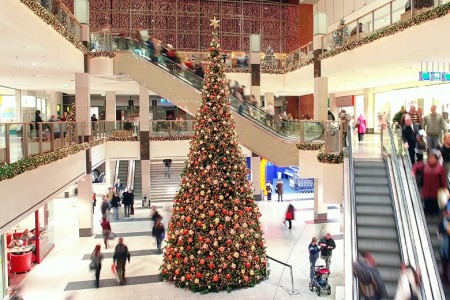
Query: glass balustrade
172	128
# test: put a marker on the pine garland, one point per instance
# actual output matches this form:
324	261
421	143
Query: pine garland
429	15
102	53
170	138
330	158
310	146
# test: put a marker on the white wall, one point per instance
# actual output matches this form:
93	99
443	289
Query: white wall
122	150
159	150
98	154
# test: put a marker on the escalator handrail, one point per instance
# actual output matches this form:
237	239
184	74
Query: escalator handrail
351	214
419	217
197	82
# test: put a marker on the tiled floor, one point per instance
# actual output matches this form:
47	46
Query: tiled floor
65	267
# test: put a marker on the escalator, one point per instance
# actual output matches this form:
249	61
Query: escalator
376	220
137	183
256	130
122	172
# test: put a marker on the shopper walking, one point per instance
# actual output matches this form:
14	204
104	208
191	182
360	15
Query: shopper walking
435	127
410	135
269	189
327	245
106	230
115	205
104	207
126	201
314	250
361	126
120	257
415	115
445	151
345	119
159	233
96	260
290	215
444	251
434	178
396	120
155	214
167	164
408	287
279	190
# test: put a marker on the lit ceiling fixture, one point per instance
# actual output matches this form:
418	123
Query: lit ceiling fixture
34	64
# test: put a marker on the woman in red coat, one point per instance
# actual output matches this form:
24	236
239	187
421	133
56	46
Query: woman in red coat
434	178
290	215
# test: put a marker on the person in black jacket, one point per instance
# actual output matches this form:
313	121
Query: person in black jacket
37	119
159	233
167	164
115	205
314	250
121	254
410	134
155	214
327	245
126	201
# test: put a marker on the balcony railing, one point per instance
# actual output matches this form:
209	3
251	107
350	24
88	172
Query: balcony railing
376	19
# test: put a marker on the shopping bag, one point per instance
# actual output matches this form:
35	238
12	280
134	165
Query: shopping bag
113	269
442	197
111	235
92	265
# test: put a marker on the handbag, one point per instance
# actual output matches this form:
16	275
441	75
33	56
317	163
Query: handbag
442	197
111	235
92	265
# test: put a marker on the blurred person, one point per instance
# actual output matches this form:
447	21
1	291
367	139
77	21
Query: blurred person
56	127
115	202
37	120
314	250
327	245
279	190
118	186
120	257
408	287
331	117
158	232
361	126
371	285
167	164
105	206
12	293
97	257
155	214
444	249
357	29
126	201
132	201
94	118
434	178
345	119
290	215
269	189
396	120
199	71
26	236
435	126
416	117
16	242
410	136
106	230
445	152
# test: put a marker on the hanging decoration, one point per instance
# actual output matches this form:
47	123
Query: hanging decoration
269	63
340	35
330	158
310	146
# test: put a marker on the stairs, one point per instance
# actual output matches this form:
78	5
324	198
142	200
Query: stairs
137	180
375	221
123	172
163	189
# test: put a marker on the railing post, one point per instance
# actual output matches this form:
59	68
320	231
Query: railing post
25	133
8	144
391	17
52	137
40	137
302	131
170	128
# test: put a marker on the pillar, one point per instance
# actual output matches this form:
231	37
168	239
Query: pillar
144	114
110	169
321	98
332	107
255	164
55	99
19	116
269	99
110	104
255	65
369	111
320	208
85	213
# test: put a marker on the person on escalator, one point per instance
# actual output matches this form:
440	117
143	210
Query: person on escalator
445	151
444	248
371	285
408	287
434	178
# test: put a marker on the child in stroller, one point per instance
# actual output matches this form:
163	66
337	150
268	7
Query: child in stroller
319	282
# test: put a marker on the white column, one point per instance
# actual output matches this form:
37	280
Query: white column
145	175
110	168
83	100
320	208
144	111
269	99
55	99
369	112
19	117
85	213
110	104
320	98
255	164
333	107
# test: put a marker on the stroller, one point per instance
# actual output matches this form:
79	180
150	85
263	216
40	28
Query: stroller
319	283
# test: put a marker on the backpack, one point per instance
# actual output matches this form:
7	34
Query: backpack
366	282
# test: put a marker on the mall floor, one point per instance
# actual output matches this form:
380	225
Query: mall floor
64	273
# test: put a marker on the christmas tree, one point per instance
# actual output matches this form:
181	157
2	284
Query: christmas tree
340	35
214	238
269	63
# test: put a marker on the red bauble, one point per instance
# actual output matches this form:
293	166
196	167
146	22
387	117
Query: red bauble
211	213
221	249
177	271
199	223
188	219
202	261
200	207
229	242
182	209
220	227
178	255
185	260
211	266
228	276
224	211
246	279
185	231
198	275
200	239
236	201
247	265
188	276
189	247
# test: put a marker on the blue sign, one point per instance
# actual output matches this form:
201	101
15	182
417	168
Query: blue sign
434	76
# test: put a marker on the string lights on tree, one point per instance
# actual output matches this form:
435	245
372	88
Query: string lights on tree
340	35
269	63
214	238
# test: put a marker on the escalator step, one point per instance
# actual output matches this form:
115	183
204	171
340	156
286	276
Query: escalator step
370	172
378	245
382	221
389	274
373	199
391	288
388	259
371	181
369	163
371	190
384	210
377	233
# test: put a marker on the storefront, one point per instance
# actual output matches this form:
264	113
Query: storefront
9	105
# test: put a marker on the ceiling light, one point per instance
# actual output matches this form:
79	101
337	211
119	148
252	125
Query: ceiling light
65	86
34	64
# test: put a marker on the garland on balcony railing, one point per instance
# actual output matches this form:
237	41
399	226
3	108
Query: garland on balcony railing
51	20
330	158
429	15
123	138
170	138
102	53
310	146
11	170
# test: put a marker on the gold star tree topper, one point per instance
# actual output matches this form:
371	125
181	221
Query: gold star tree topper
214	23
